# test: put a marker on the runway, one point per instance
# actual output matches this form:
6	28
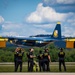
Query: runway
37	73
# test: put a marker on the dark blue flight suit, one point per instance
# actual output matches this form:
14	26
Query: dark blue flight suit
19	60
30	61
61	55
41	62
46	61
15	59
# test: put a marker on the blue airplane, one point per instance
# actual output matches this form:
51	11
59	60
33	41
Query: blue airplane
39	40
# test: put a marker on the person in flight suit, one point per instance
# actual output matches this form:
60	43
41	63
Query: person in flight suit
40	58
20	54
15	56
30	60
61	56
46	59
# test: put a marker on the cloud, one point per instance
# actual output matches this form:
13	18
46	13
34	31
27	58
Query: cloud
46	18
41	21
68	27
15	29
65	1
11	33
45	15
69	31
51	2
1	19
45	26
60	5
11	26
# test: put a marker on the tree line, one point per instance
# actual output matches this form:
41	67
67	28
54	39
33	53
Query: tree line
7	54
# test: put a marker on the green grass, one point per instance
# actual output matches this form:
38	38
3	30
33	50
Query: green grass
53	66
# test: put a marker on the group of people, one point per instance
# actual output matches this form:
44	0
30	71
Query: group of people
44	59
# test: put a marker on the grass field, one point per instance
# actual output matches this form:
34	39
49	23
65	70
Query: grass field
9	67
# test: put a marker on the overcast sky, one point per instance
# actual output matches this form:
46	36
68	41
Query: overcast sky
32	17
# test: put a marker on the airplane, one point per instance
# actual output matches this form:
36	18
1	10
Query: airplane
40	40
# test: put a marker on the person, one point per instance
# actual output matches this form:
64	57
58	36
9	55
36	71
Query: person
40	58
15	57
20	54
61	56
28	60
31	56
46	59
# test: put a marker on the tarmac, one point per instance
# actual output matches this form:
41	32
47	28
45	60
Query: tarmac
37	73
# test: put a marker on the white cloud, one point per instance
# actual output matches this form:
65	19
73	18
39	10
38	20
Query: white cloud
71	18
49	15
49	1
11	26
1	19
41	15
46	26
65	1
59	1
9	33
14	29
69	31
45	14
68	27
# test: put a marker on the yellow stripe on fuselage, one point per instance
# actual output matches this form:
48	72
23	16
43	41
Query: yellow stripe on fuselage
3	39
69	39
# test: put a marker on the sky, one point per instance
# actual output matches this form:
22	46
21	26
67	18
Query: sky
32	17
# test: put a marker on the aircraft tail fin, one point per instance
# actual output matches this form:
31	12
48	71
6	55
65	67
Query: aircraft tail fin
57	31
